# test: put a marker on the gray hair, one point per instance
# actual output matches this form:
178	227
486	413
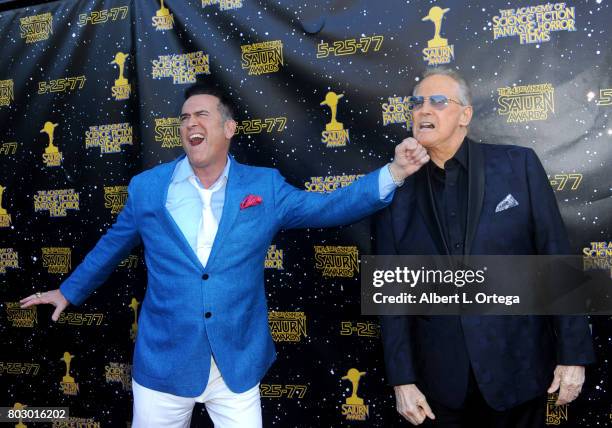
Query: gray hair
465	95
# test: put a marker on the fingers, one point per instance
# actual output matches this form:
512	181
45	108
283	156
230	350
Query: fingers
421	411
57	312
410	156
409	144
414	420
416	414
53	297
412	405
570	389
34	299
570	381
413	150
555	384
567	394
427	409
422	157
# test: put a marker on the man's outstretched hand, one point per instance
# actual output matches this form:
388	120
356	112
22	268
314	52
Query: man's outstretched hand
53	297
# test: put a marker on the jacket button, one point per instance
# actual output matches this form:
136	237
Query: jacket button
207	315
205	276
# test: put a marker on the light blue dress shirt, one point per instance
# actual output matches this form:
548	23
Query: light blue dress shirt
185	206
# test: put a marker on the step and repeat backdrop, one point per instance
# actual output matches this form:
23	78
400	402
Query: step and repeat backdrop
90	93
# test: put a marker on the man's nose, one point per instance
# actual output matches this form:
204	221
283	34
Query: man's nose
191	121
426	107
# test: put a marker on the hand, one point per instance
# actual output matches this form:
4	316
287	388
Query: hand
53	297
410	156
411	404
570	380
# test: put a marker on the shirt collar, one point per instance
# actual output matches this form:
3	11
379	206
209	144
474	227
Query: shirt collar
461	157
184	170
462	154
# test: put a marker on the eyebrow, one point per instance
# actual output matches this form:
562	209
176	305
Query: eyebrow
196	112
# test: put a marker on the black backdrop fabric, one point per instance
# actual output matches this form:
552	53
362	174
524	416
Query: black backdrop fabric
90	92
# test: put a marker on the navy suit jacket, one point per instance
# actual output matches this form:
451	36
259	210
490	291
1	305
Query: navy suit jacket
513	357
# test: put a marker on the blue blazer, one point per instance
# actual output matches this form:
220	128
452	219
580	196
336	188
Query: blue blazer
513	357
190	312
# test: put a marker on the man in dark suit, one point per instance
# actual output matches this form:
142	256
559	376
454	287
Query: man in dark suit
467	371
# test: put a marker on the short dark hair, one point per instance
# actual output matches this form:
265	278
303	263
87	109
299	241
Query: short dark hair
226	105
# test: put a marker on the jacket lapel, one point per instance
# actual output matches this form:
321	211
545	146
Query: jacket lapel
166	219
476	189
234	194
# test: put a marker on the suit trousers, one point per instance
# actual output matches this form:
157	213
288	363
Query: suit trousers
477	413
227	409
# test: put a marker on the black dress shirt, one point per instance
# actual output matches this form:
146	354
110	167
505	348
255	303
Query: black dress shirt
449	187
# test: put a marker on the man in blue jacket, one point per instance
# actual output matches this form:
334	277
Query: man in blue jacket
206	222
469	371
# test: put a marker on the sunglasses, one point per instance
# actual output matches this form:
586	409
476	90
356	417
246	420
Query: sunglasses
439	102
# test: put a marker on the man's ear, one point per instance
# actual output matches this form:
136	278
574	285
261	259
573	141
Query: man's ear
466	116
229	128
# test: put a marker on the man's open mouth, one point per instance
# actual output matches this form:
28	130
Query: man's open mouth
426	125
196	139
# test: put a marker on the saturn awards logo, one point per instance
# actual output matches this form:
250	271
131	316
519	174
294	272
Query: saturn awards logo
121	89
527	102
167	132
337	260
7	92
5	217
56	259
287	326
68	385
438	51
52	155
20	317
262	58
36	27
334	135
115	198
163	19
354	407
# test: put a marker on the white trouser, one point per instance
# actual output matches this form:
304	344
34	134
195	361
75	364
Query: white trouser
227	409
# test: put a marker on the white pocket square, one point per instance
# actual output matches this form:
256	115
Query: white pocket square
507	202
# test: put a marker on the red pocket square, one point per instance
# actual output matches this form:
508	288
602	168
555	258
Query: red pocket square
250	201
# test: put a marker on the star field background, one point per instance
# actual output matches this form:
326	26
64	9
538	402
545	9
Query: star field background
575	139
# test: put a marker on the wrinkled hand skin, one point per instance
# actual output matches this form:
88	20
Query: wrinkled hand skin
568	380
410	156
53	297
412	404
